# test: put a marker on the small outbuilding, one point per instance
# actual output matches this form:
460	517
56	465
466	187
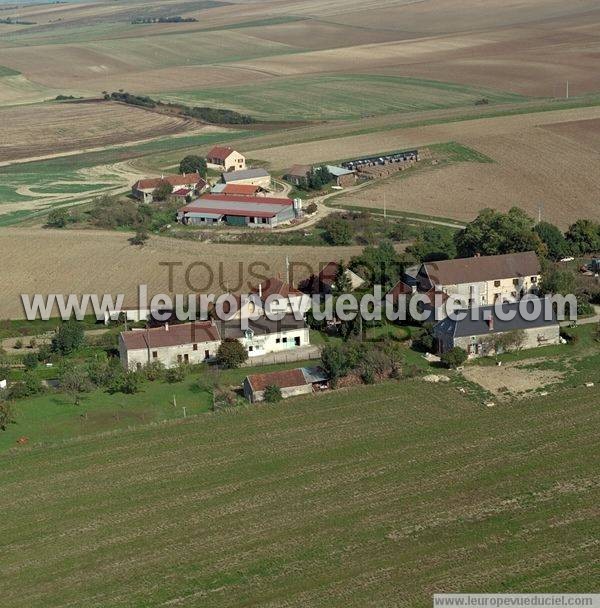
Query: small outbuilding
291	382
343	177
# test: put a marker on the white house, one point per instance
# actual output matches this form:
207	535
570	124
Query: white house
144	189
265	336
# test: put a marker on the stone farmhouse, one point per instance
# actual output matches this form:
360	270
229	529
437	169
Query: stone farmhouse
170	344
192	183
481	330
198	342
292	382
476	281
298	174
224	158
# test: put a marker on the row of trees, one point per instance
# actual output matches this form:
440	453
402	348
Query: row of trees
494	233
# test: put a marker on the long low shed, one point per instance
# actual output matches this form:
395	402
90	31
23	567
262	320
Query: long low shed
255	211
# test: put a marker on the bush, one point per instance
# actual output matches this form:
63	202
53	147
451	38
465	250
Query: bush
310	208
6	416
273	394
162	192
176	374
127	383
140	238
338	232
18	344
231	353
454	358
58	218
154	370
30	361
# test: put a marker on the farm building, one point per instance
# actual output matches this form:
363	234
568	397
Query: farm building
292	382
342	176
252	177
255	211
170	344
482	280
487	333
143	189
324	282
265	336
238	190
224	158
297	174
374	167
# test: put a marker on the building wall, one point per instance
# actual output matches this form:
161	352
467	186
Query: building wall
346	180
261	181
169	356
489	291
272	343
257	396
534	338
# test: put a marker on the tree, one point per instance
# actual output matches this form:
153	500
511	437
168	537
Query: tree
75	381
273	394
382	264
6	415
556	244
68	338
338	232
155	370
231	353
4	371
319	177
335	362
193	164
434	243
163	191
342	283
58	218
455	357
494	233
584	236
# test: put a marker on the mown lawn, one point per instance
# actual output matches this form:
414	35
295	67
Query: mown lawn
378	496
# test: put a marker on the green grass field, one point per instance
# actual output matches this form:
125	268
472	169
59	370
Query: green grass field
376	497
340	96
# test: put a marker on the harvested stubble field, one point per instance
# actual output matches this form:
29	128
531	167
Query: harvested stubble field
381	499
77	261
532	165
39	130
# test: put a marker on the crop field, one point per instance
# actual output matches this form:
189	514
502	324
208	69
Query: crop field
119	267
526	153
382	499
38	130
340	97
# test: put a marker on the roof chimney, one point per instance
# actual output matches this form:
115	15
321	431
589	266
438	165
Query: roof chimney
166	326
260	290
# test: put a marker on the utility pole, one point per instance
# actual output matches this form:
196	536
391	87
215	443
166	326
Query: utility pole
567	89
540	209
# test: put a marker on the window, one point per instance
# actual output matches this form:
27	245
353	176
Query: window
206	354
515	281
284	340
155	354
179	359
195	347
250	349
496	283
277	340
534	279
186	358
297	340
